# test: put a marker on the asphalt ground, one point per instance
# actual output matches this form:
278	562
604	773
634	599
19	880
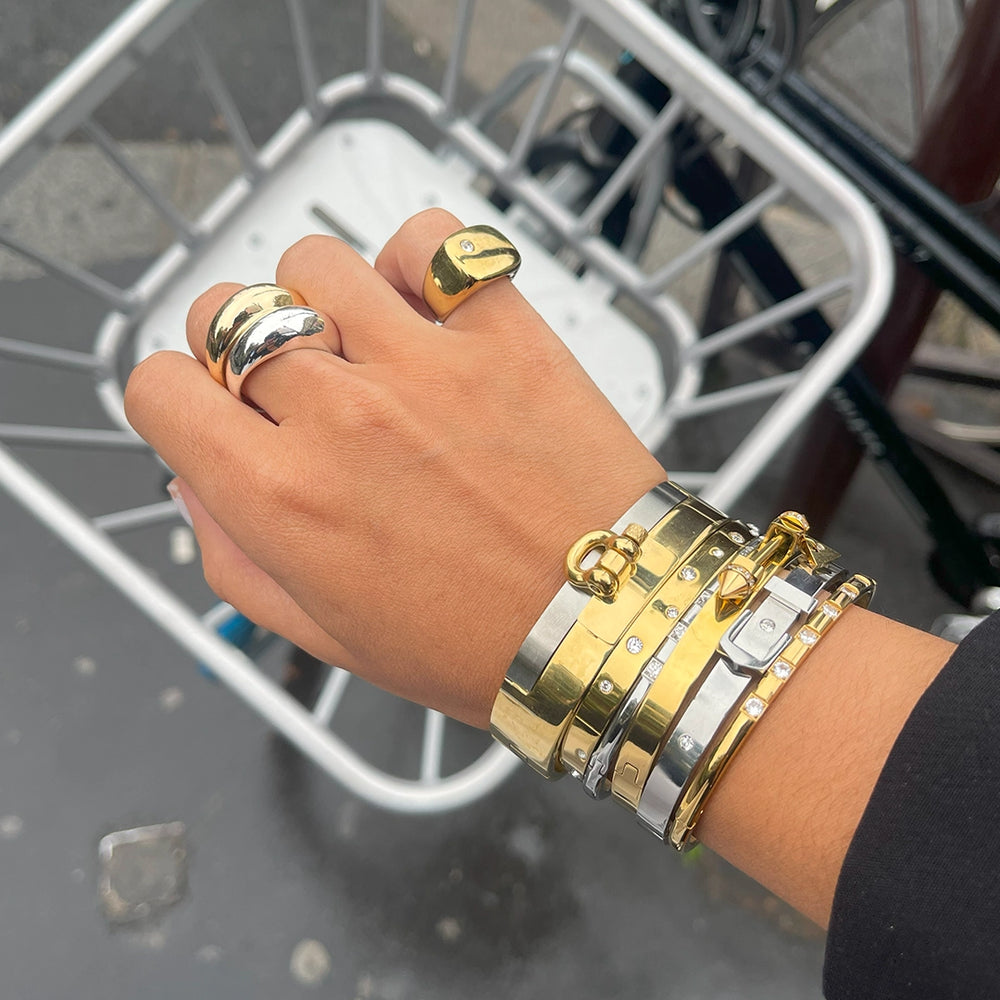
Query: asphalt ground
289	885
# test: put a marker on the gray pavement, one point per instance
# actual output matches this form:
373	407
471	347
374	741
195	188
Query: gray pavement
292	887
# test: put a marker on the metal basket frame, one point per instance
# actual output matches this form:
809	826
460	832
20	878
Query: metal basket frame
697	86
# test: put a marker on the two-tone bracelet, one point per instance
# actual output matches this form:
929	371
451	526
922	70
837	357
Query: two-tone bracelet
649	669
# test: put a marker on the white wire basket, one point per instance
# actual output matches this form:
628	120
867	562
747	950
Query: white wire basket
454	125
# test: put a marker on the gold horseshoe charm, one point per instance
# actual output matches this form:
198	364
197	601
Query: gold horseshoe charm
616	564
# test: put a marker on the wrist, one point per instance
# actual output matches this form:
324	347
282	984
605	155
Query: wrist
520	604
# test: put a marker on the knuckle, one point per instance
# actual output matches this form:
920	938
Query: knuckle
309	253
371	405
434	220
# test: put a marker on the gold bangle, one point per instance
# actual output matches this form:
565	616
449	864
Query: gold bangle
668	542
665	605
532	722
677	683
858	590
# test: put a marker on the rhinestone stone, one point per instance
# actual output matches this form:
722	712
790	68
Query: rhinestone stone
715	552
754	530
831	610
737	537
808	636
782	670
673	611
754	707
677	631
467	245
689	573
685	742
767	624
634	644
606	686
581	753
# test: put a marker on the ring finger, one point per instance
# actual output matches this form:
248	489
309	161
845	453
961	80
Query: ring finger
274	387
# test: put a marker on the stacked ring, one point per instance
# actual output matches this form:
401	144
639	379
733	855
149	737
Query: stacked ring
465	262
290	328
234	314
257	323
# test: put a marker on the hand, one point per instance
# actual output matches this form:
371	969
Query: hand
406	511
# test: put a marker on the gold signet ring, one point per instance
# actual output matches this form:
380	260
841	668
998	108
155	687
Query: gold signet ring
464	263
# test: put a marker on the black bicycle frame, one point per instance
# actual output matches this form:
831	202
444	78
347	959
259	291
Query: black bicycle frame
964	561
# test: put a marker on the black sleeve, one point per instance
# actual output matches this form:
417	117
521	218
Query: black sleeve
917	908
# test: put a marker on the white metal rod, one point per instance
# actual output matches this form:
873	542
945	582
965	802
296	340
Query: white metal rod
235	670
57	357
87	81
736	395
115	154
224	103
629	168
456	57
781	312
308	76
543	99
430	754
111	294
330	695
647	204
137	517
71	437
717	236
376	33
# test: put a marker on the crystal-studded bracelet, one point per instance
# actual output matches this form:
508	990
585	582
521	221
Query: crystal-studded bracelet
746	652
712	765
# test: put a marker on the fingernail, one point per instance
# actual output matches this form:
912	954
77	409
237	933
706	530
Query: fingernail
175	494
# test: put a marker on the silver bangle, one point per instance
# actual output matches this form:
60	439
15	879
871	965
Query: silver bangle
748	649
602	760
563	610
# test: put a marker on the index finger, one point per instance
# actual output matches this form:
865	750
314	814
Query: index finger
202	432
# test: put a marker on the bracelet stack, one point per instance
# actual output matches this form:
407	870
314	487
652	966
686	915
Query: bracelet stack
676	630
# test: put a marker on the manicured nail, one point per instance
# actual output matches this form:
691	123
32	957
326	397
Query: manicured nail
175	494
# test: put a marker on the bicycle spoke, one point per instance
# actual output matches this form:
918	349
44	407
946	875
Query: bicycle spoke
329	697
430	754
915	55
